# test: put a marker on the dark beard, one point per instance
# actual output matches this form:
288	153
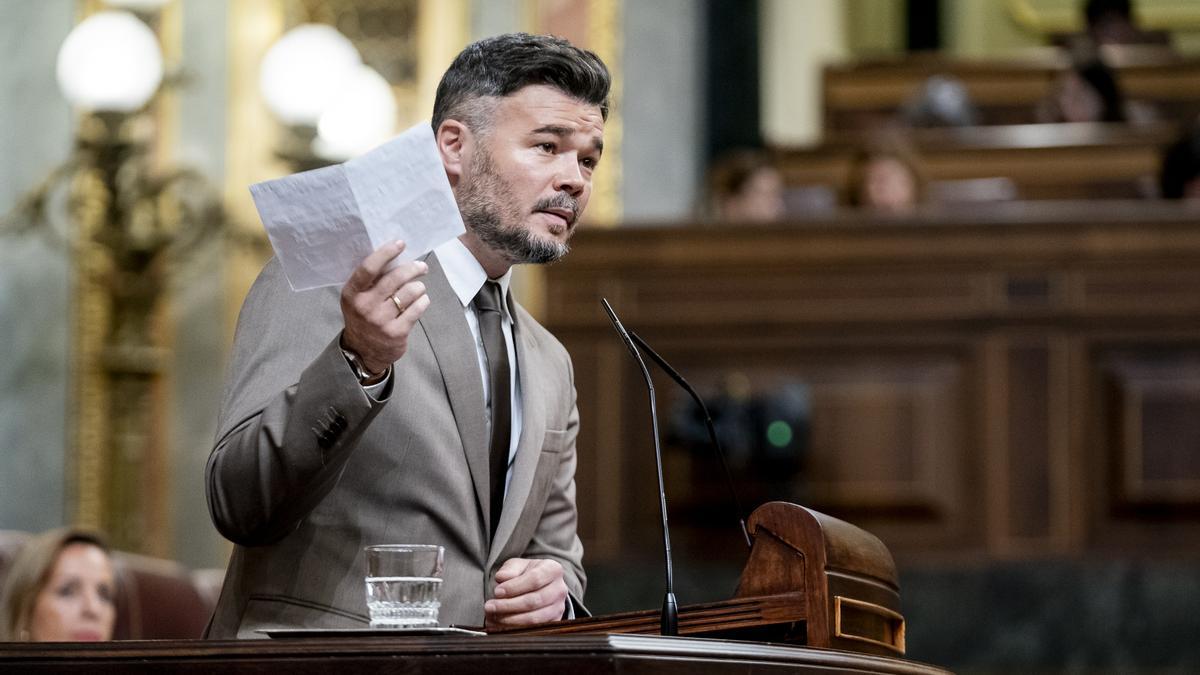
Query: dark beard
485	216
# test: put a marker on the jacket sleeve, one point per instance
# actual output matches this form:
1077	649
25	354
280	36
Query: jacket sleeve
291	414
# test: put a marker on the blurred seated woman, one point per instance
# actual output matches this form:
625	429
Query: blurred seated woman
1089	92
745	187
886	178
61	588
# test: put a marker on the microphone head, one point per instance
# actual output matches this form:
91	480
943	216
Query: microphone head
629	342
620	328
612	316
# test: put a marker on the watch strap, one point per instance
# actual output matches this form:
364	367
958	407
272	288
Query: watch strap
360	370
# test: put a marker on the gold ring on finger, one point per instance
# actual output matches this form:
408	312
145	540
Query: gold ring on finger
396	301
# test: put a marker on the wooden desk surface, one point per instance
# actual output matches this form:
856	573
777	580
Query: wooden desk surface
493	655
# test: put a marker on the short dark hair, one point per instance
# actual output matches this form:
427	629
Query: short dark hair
1095	11
501	65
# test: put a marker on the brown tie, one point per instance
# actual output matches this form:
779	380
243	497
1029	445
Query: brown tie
487	307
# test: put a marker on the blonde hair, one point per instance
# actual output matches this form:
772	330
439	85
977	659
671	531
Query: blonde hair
29	573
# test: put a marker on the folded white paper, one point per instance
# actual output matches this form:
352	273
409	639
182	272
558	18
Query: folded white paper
322	223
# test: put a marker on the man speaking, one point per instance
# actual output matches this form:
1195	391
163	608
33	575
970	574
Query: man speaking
423	404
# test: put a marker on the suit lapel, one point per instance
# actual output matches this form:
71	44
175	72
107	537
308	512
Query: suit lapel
450	339
529	448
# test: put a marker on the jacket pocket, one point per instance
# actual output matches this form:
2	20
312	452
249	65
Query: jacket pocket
554	441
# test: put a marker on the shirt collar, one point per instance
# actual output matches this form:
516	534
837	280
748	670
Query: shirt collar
466	275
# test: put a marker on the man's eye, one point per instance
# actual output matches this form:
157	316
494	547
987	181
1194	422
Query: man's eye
588	162
548	147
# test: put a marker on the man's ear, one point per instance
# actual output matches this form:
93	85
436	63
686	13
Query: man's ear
454	144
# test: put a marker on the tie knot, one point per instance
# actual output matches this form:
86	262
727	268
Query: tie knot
488	298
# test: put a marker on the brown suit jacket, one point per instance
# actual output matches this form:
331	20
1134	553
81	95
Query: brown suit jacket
308	469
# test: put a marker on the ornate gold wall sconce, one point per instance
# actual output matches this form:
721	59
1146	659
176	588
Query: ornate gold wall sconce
128	222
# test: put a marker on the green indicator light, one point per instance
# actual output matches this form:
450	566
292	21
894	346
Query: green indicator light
779	433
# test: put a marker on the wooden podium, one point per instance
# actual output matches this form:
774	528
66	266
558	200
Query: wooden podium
811	580
817	595
494	655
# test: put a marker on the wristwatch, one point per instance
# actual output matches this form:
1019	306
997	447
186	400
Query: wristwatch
360	371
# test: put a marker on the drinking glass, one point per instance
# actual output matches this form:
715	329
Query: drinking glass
403	582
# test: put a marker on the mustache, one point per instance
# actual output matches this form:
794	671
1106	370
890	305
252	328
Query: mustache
561	200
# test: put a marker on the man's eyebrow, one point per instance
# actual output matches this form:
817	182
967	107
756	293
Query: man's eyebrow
555	129
563	132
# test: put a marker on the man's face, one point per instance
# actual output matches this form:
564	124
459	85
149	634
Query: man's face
529	174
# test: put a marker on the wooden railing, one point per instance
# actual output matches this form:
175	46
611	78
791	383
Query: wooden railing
1042	161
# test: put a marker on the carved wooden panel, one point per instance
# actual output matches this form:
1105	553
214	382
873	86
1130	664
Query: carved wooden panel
1140	289
1028	437
1142	467
1157	428
871	434
1007	387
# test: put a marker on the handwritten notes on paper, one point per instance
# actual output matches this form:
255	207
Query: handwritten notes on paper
322	223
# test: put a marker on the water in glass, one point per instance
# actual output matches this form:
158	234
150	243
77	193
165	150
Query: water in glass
403	601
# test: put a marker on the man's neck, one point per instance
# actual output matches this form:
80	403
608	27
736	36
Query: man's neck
493	263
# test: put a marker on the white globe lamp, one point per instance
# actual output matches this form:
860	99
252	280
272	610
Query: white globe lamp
362	116
110	62
302	72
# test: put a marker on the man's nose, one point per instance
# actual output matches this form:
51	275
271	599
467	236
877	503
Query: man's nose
570	177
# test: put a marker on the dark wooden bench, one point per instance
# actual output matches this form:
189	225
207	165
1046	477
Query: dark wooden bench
1043	161
1006	91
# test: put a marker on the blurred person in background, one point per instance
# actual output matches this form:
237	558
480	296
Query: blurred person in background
886	177
1180	176
1111	22
941	101
746	187
61	588
1087	92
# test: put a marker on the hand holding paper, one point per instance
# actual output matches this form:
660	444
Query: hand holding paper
324	223
381	307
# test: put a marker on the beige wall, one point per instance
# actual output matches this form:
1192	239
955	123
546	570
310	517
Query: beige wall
978	28
874	27
798	38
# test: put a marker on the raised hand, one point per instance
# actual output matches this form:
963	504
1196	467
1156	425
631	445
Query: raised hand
381	306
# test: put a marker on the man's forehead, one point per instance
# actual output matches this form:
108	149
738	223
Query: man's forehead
542	106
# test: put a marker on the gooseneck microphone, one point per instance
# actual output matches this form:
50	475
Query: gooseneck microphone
708	423
669	623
